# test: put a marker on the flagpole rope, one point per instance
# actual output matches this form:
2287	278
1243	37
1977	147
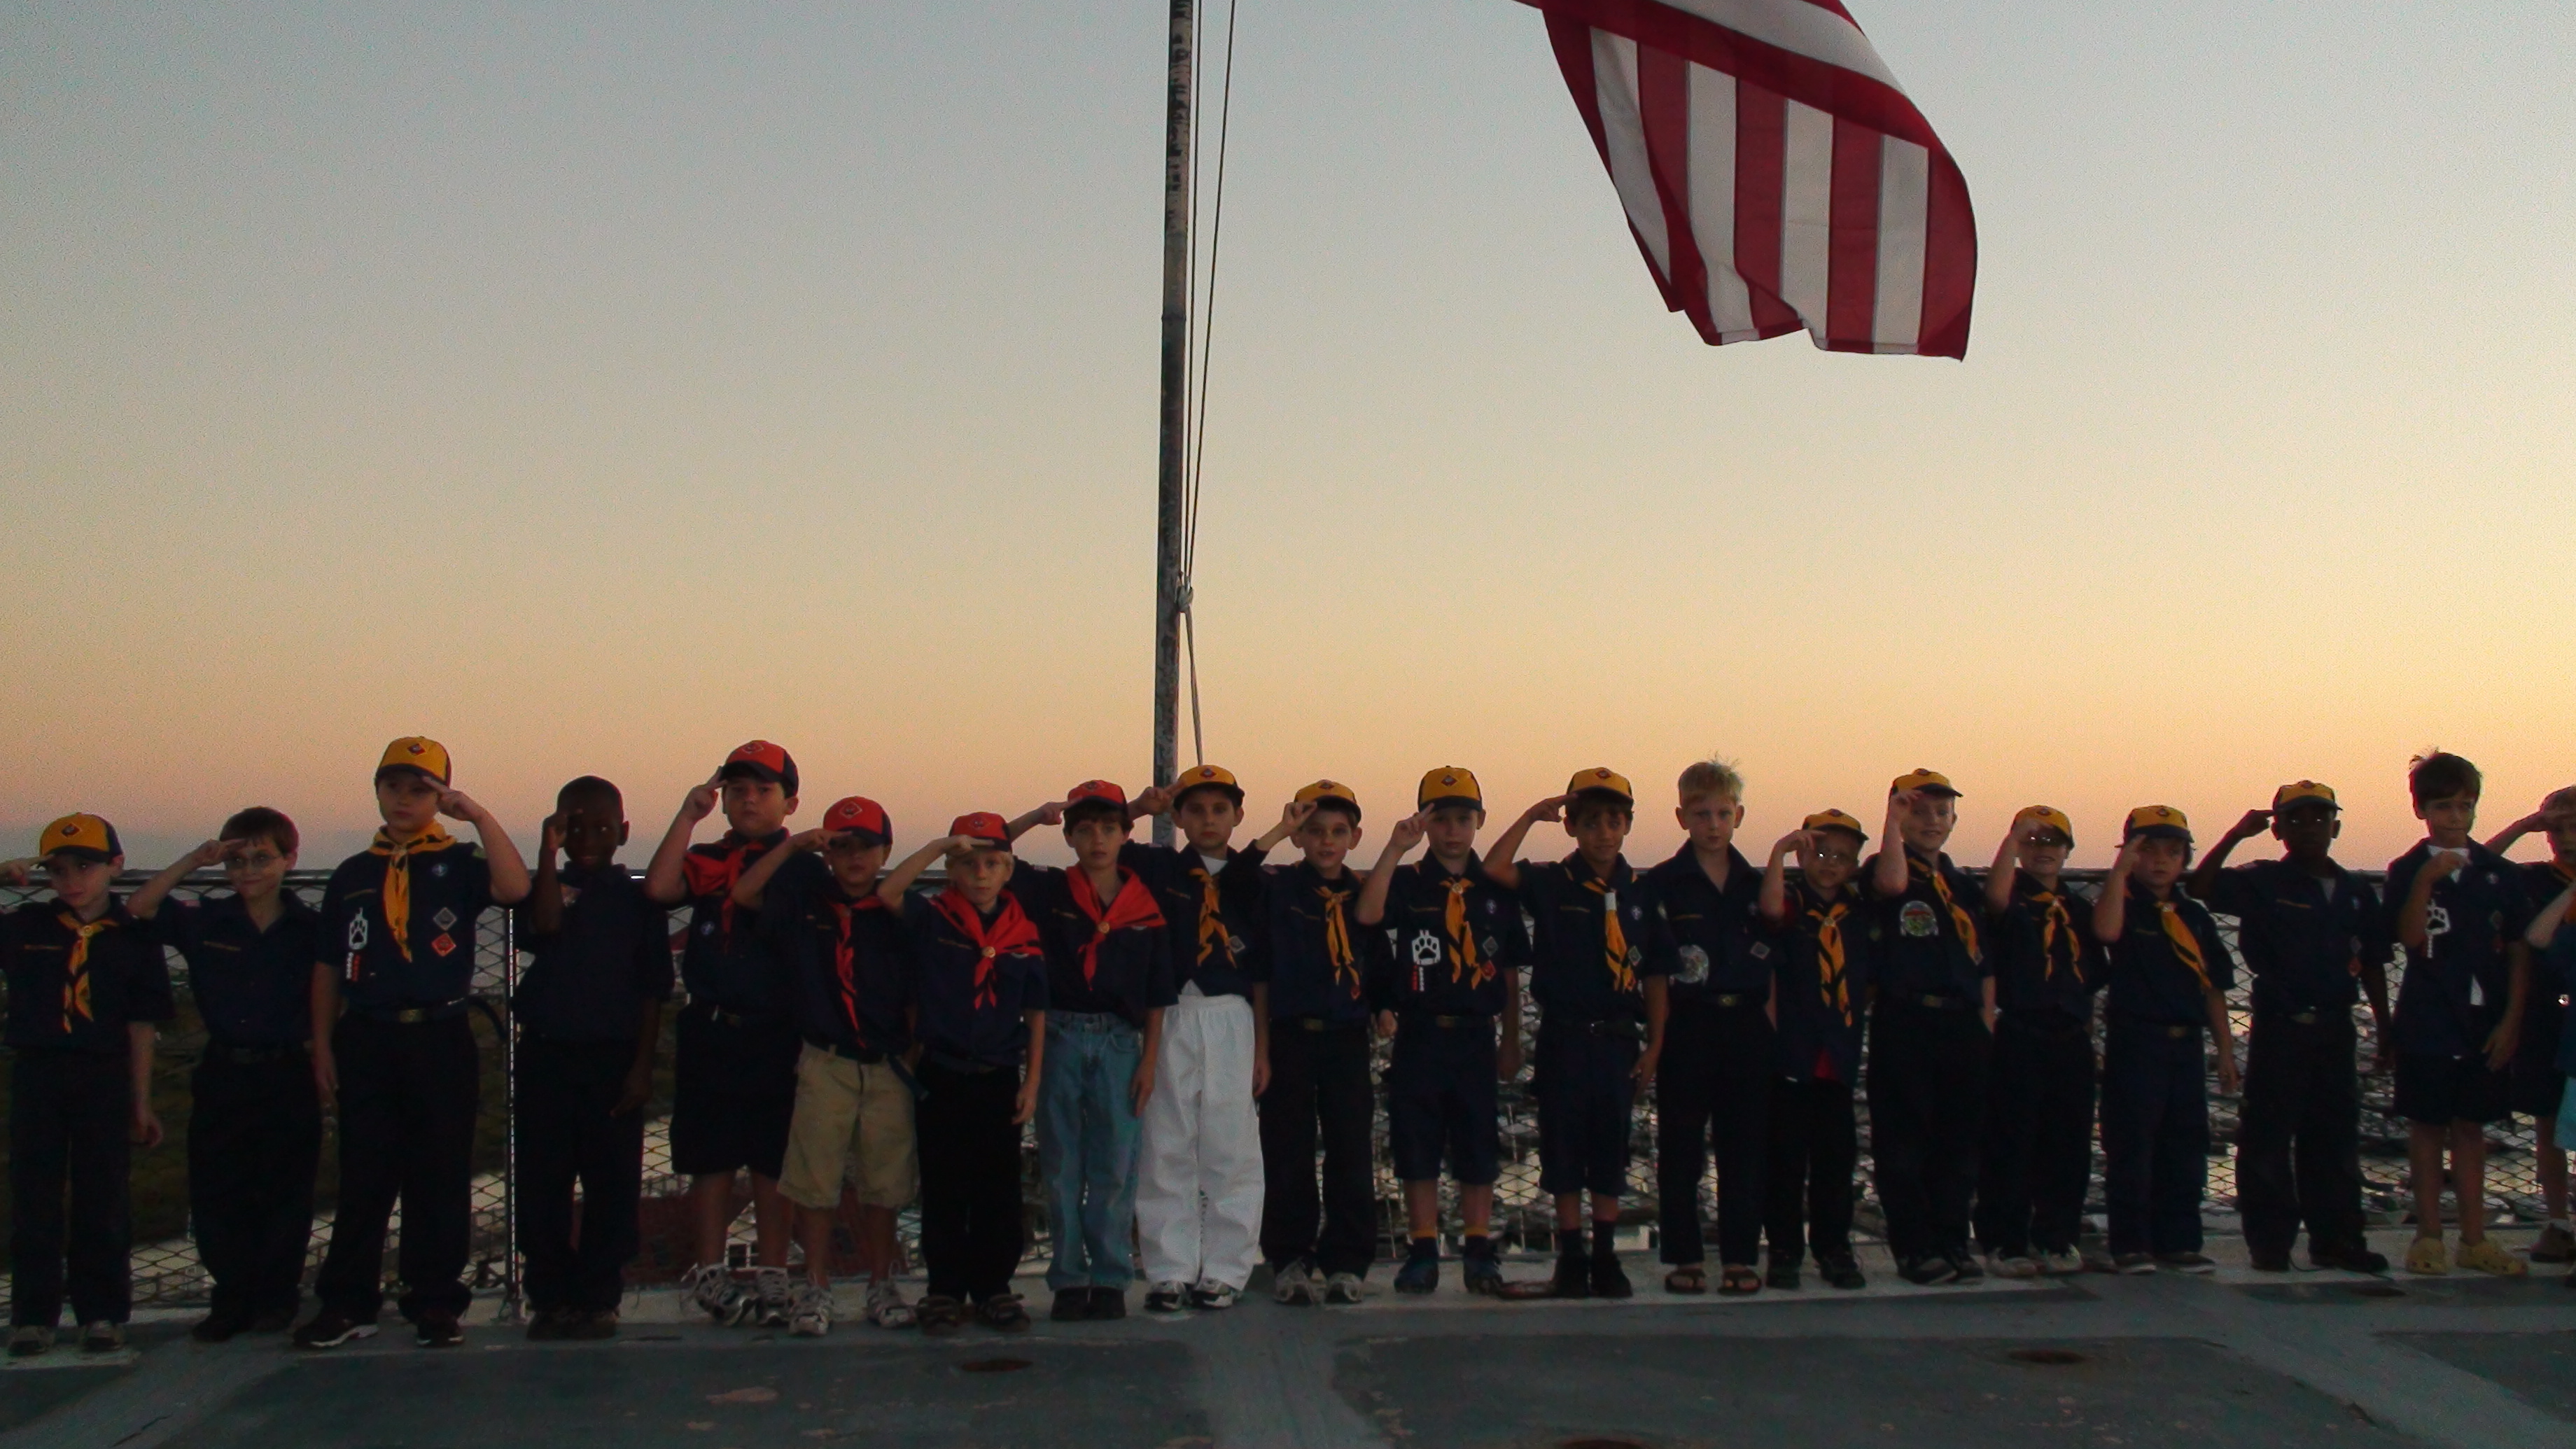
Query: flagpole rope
1203	346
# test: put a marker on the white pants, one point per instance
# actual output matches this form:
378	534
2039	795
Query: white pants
1198	1189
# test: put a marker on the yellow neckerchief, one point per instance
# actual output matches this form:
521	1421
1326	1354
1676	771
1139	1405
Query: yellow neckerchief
1213	936
2186	945
2058	942
1464	963
1337	939
1966	925
1614	940
398	854
1833	969
76	966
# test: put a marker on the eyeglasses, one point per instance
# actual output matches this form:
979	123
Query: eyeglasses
1837	857
257	860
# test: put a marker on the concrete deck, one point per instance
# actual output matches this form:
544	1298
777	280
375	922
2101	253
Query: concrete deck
2236	1359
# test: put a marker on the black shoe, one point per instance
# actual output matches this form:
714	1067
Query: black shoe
221	1325
331	1328
549	1325
1964	1267
2269	1262
1783	1273
597	1323
1072	1305
1108	1304
1609	1280
2351	1260
1573	1277
438	1328
1842	1272
1928	1270
273	1320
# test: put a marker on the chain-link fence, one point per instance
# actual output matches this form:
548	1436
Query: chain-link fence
167	1271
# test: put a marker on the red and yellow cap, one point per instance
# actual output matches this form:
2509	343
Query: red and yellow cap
859	815
1323	790
761	760
419	754
1207	777
2049	816
82	837
988	830
1449	785
1096	790
1922	781
1602	780
1834	820
2304	790
2158	822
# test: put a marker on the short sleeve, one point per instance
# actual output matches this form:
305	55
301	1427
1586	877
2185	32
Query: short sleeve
783	901
1033	975
150	1000
655	974
177	925
1658	951
335	920
2233	892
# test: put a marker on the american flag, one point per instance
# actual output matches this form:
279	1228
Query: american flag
1773	171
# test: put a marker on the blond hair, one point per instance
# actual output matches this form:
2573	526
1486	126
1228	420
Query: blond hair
1715	775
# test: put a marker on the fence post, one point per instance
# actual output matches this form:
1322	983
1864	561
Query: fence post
510	1119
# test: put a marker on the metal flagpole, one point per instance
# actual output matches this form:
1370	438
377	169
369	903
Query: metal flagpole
1170	588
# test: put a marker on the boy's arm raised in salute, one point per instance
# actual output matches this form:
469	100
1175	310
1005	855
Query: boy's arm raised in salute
1051	813
666	879
899	880
1502	858
754	884
2111	912
146	901
1890	876
545	893
2000	875
1406	835
2204	876
509	873
1774	900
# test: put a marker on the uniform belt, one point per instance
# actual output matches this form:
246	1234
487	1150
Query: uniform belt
722	1017
415	1015
1936	1003
1445	1023
1623	1030
251	1056
864	1056
2174	1030
2304	1018
1322	1023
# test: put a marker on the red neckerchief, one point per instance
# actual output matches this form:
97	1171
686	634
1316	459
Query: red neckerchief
845	958
1011	933
716	875
1134	906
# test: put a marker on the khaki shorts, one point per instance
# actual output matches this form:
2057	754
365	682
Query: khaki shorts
852	1121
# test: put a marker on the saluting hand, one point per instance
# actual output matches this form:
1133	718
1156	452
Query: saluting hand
457	805
211	853
550	837
1799	841
701	801
2251	824
1552	808
1152	801
805	840
1409	831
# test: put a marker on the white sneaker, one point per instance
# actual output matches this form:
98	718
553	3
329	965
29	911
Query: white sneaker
2010	1265
810	1312
1297	1285
1212	1296
712	1289
1344	1288
2063	1261
1167	1298
886	1308
777	1296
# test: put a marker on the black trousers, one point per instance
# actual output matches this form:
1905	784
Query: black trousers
69	1112
1815	1151
2039	1135
970	1180
254	1143
2155	1134
1318	1080
565	1093
2298	1142
1927	1112
1714	1080
408	1096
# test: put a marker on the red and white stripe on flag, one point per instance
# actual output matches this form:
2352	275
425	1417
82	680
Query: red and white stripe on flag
1774	173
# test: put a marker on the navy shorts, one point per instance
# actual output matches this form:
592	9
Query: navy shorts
2537	1084
1585	1095
2437	1091
1441	1101
733	1093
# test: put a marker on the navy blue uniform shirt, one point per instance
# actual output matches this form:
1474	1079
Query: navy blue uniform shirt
589	980
850	958
1131	972
2542	881
968	1005
253	988
1934	946
1313	949
2043	953
1833	946
1573	977
2148	977
727	964
2302	935
450	889
2456	987
1720	946
1437	964
81	1005
1211	917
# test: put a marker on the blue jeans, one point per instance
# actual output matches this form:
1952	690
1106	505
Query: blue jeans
1087	1142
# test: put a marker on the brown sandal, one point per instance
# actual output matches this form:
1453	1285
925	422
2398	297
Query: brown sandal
1738	1281
1686	1280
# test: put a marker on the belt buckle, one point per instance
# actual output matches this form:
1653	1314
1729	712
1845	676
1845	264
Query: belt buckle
2304	1018
2177	1032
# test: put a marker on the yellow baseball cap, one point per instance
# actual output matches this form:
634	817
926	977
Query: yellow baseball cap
2050	816
2158	821
1323	790
1930	782
2304	790
1207	777
1602	780
1449	785
1834	820
417	753
83	837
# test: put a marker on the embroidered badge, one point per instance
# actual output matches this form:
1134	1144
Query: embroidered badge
707	927
1426	949
443	943
2437	921
1917	920
445	918
439	871
357	933
1237	945
1694	966
1761	951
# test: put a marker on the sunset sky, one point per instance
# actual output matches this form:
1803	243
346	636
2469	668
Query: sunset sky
593	387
